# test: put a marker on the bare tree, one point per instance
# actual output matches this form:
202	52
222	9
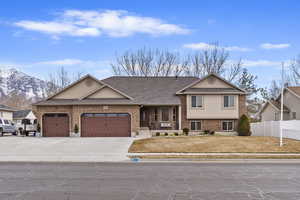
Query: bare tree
234	71
272	92
210	60
59	80
295	71
156	62
214	59
148	62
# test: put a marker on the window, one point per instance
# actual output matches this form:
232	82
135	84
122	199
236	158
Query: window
197	101
294	115
227	125
174	114
143	115
228	101
6	121
0	121
155	114
195	125
165	114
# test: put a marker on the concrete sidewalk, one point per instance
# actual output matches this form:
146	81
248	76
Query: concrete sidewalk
35	149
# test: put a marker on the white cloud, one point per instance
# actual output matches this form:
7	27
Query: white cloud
63	62
114	23
274	46
260	63
203	46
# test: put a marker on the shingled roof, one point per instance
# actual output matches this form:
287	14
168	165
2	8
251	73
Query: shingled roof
20	114
151	90
6	108
145	91
295	89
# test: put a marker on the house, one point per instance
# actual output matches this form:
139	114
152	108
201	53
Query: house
271	111
19	115
122	106
6	112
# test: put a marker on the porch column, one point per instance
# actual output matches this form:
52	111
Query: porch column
179	117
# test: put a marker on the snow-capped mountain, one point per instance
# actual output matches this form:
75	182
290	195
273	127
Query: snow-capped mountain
13	80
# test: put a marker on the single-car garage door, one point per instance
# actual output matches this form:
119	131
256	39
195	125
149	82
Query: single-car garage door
105	125
55	125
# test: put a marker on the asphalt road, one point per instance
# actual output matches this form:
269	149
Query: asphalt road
139	181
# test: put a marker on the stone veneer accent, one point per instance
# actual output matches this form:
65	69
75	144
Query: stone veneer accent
75	112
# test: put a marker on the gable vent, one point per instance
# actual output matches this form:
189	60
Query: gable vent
211	80
89	83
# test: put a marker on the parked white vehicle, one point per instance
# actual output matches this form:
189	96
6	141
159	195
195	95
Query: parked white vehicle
25	129
25	121
7	127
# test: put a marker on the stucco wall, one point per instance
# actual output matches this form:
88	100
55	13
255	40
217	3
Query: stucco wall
6	115
213	108
211	82
79	90
106	93
293	103
271	114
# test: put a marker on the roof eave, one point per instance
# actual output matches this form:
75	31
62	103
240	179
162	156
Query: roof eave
211	74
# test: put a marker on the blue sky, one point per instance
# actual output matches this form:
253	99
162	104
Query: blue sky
40	36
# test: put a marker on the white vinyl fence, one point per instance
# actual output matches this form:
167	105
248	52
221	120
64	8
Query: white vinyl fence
290	129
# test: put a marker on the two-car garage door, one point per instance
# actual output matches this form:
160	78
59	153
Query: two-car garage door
92	125
105	125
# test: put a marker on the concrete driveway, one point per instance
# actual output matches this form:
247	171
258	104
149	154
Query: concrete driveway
64	149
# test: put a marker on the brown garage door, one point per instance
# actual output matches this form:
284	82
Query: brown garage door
105	125
55	125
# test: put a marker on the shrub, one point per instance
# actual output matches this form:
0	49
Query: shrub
211	132
186	131
76	129
243	128
206	132
176	134
166	134
157	134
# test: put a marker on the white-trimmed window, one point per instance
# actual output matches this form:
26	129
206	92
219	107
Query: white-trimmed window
228	101
227	125
165	114
196	125
197	101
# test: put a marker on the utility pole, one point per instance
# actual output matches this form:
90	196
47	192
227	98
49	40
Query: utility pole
281	106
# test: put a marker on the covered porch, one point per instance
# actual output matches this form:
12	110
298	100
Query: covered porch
160	117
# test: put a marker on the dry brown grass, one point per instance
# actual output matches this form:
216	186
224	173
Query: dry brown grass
214	144
203	157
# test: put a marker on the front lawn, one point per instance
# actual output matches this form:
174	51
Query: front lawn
214	144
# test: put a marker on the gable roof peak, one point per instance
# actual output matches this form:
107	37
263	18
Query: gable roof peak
208	75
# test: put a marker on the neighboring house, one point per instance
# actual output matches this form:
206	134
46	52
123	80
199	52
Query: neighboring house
291	100
122	106
6	112
19	115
